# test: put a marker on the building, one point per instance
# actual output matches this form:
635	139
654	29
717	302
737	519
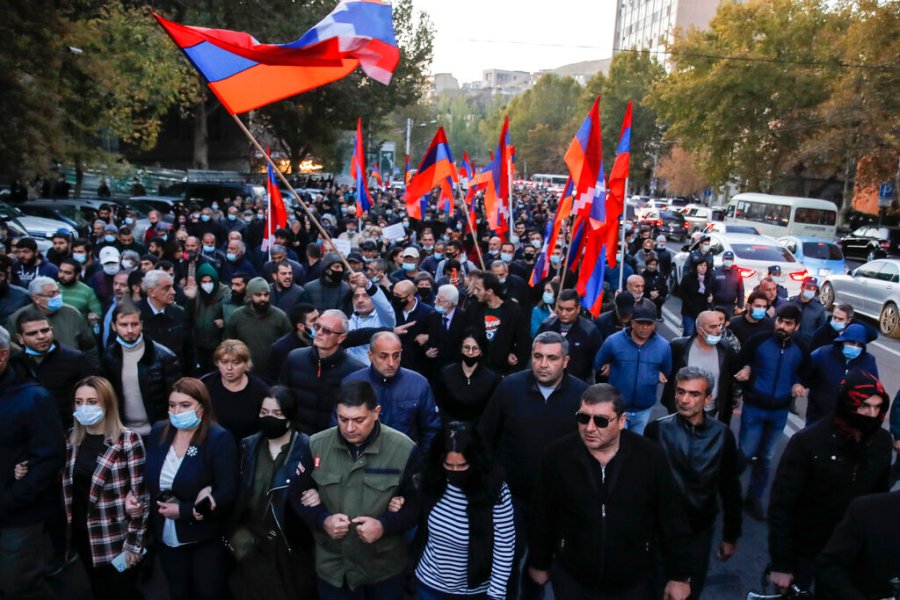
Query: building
445	82
650	24
506	81
582	72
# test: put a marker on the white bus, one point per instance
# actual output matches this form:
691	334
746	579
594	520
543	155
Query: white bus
557	183
777	216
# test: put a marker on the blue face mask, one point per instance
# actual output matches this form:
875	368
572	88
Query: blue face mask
232	217
214	206
757	312
712	340
32	352
506	257
555	260
129	345
129	221
809	294
408	267
851	352
440	309
80	257
184	420
109	239
438	255
312	332
838	325
205	218
55	303
547	297
428	248
209	249
88	415
231	256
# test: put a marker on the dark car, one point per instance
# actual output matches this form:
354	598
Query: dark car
205	192
871	242
670	223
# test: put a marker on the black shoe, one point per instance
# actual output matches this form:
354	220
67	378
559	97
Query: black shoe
755	509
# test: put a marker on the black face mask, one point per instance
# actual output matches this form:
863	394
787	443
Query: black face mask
471	361
458	478
867	426
272	427
425	294
260	307
529	258
333	276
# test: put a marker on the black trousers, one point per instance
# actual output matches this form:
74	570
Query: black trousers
106	582
567	587
195	571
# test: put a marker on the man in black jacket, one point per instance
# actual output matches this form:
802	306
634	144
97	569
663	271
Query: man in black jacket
314	374
502	321
583	337
702	453
616	320
529	410
445	327
602	496
164	321
29	429
141	370
409	309
703	350
822	469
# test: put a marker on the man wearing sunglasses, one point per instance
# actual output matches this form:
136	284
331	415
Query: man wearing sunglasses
602	496
702	453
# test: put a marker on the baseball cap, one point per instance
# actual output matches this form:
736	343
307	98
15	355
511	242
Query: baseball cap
728	254
368	245
644	310
810	281
355	257
108	254
774	270
410	252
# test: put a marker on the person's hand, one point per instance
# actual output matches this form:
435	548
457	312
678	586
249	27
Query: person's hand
677	590
654	294
604	370
337	526
132	558
431	353
205	492
190	288
538	576
402	329
220	323
897	446
368	529
396	503
781	580
422	339
726	550
798	391
512	359
168	509
133	506
21	470
743	374
662	377
310	498
358	280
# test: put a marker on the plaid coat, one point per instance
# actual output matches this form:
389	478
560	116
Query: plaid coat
119	470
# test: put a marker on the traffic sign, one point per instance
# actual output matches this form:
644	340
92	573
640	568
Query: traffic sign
886	193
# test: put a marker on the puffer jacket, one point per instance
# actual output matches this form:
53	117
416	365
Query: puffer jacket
158	370
775	366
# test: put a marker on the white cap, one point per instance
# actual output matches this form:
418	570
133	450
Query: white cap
411	252
108	254
661	238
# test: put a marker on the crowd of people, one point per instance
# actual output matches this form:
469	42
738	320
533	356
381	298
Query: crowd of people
412	418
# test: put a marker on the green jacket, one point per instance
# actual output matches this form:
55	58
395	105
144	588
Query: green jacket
204	314
359	488
69	329
81	297
259	332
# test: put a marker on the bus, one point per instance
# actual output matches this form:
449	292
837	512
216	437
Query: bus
556	183
778	216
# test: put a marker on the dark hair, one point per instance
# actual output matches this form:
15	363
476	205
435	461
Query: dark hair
72	263
83	242
357	393
569	295
847	308
241	275
136	277
483	487
196	389
125	308
61	235
28	316
490	281
299	312
150	257
286	400
757	295
313	250
604	392
477	335
124	230
456	244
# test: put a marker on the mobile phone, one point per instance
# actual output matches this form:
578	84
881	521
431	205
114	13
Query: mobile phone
204	507
120	564
167	496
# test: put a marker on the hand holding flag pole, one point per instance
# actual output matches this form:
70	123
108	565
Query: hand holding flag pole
465	210
565	265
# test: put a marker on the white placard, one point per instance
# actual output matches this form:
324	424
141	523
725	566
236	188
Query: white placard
394	232
342	246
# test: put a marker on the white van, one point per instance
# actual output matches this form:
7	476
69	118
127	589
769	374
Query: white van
778	216
699	216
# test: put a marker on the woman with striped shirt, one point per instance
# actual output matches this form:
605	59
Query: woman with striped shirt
466	538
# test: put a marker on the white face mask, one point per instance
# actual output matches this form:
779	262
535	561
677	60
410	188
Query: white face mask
207	286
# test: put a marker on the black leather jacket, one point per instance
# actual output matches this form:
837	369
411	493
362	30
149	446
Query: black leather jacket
704	462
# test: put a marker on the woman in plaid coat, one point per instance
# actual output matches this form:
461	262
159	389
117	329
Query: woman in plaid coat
104	465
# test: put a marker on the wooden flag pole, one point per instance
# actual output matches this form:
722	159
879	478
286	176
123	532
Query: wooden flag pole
562	273
466	212
284	180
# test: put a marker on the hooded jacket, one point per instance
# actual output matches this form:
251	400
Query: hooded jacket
828	367
204	309
325	294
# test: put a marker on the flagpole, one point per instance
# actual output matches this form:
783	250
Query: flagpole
284	180
465	210
622	235
565	267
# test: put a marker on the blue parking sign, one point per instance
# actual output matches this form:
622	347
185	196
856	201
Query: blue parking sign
886	191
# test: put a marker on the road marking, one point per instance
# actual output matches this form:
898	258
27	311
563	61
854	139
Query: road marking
885	348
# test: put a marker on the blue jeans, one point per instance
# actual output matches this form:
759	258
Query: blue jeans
389	589
689	324
23	557
760	430
636	420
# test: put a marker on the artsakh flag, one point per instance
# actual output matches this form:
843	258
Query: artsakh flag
245	74
584	159
358	172
436	166
618	177
276	215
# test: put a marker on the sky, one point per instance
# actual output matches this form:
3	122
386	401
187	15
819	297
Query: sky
525	35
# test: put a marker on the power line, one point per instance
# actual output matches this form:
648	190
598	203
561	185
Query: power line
756	59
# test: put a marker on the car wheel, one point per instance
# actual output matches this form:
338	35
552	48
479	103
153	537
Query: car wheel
826	296
871	256
889	321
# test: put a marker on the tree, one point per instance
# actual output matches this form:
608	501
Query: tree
680	176
632	76
741	94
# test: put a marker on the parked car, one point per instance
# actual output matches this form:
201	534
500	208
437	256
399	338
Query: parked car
871	242
667	222
39	228
205	192
820	258
698	217
874	291
753	255
164	204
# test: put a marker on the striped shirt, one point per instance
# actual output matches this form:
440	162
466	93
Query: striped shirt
444	561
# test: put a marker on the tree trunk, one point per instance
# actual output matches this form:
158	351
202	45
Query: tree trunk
79	177
201	137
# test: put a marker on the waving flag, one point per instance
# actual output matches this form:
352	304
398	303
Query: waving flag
407	173
358	172
276	214
465	169
437	165
377	175
445	201
542	262
584	158
617	181
245	74
551	235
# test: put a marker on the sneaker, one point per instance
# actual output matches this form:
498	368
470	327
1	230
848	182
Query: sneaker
755	509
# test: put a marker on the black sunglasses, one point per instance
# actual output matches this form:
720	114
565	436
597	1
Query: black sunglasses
599	420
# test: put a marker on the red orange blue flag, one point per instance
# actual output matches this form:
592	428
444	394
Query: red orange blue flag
358	172
617	179
436	166
246	74
584	158
276	216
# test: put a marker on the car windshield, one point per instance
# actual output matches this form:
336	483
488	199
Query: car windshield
822	251
762	252
741	229
668	215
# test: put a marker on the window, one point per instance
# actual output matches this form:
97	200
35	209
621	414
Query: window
889	273
869	270
822	251
815	216
764	252
772	214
